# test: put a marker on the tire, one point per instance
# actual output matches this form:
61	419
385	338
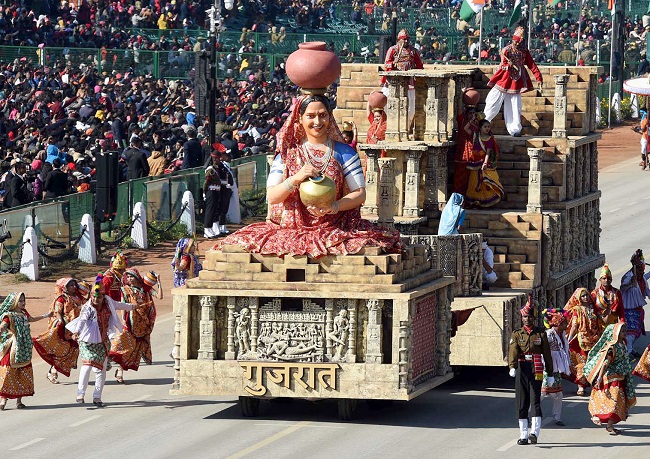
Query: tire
347	408
250	406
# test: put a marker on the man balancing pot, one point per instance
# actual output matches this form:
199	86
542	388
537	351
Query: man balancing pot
528	354
510	81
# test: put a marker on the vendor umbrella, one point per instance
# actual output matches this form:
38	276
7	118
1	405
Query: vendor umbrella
639	86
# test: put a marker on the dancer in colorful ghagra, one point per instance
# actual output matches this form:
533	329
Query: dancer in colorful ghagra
608	299
529	354
16	373
133	343
56	345
98	319
483	186
585	328
608	370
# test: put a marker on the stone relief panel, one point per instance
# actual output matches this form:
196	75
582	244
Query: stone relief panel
297	336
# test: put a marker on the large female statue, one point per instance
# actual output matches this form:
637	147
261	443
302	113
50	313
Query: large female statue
310	145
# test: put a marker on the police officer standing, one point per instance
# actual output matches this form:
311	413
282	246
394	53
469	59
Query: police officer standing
528	353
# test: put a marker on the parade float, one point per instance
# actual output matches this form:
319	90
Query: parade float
545	231
369	323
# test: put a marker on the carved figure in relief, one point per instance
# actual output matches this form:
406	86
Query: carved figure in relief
339	335
242	330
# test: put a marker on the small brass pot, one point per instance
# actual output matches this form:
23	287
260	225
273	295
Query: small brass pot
318	192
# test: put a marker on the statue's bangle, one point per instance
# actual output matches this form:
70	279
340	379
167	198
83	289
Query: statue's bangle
335	207
289	186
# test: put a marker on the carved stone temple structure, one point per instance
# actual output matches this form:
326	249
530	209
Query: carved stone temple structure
544	233
350	327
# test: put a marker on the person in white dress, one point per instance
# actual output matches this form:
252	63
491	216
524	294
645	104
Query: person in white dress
635	290
98	319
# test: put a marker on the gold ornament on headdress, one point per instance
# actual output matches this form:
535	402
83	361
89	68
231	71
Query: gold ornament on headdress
119	261
605	272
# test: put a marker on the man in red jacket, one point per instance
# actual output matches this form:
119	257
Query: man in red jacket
510	81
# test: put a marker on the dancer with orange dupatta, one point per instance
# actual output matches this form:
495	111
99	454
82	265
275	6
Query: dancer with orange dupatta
467	128
585	327
483	186
133	343
608	370
56	345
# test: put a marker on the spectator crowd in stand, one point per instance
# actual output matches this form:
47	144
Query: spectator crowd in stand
55	118
55	121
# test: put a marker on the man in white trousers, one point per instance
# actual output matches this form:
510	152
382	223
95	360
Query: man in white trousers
510	81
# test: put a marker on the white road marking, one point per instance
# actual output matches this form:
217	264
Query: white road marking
614	210
139	399
630	203
271	439
83	421
647	197
25	445
315	426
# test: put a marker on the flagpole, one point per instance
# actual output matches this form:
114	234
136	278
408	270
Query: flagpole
530	23
579	32
480	37
611	67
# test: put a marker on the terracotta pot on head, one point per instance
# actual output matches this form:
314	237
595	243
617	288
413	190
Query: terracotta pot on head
377	100
313	67
470	96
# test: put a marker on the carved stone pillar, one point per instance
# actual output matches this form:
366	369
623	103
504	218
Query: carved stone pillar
231	303
254	305
580	185
176	353
587	165
351	356
372	179
374	332
592	100
431	208
436	110
329	326
208	327
411	187
385	207
404	349
593	148
535	181
560	109
396	109
460	81
570	175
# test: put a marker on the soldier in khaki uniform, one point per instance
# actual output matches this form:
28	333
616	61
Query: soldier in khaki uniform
528	353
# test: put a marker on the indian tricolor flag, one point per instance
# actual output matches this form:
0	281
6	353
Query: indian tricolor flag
553	2
516	14
469	8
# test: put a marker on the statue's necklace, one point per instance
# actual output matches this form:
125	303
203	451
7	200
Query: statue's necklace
308	147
